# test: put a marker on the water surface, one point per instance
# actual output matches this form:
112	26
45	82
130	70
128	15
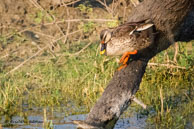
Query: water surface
59	120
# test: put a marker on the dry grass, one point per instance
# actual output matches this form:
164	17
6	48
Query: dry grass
71	73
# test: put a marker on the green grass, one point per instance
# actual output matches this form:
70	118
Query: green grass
76	82
79	79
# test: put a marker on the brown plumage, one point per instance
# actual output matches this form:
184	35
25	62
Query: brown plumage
126	38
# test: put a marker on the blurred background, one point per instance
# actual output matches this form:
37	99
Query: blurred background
51	71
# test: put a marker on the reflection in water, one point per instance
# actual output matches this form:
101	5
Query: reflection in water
59	121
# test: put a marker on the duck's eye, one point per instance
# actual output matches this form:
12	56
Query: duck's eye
102	34
107	37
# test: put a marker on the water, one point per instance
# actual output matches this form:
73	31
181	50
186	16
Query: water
60	121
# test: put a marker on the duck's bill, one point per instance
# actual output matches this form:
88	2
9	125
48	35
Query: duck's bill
103	49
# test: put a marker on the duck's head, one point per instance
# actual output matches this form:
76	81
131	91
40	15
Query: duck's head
105	37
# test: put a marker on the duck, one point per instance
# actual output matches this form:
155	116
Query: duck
126	39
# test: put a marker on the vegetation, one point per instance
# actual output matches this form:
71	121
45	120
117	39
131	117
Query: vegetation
75	78
81	79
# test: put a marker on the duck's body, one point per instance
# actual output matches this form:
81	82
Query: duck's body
127	39
118	46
